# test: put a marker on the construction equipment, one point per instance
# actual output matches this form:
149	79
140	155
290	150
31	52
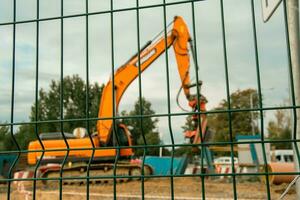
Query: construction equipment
6	162
101	146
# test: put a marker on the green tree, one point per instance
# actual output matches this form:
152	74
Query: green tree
280	129
151	139
74	107
74	104
145	126
6	142
184	150
6	139
24	135
189	124
241	122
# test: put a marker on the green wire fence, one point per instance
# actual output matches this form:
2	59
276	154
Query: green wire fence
253	22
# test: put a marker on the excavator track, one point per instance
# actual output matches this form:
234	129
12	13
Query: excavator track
104	173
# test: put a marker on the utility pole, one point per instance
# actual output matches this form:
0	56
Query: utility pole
268	8
294	40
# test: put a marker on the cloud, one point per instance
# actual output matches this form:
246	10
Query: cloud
210	53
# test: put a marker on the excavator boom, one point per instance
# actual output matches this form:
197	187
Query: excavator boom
123	77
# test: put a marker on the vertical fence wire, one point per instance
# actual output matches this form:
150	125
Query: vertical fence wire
228	97
87	101
140	100
115	129
13	100
260	99
61	96
168	101
195	57
37	98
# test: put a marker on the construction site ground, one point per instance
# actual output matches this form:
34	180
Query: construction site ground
155	188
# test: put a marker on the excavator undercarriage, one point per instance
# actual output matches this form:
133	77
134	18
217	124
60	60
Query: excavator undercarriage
81	173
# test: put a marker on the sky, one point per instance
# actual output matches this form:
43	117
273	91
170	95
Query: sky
272	52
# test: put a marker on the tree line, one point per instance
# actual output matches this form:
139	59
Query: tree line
230	120
80	101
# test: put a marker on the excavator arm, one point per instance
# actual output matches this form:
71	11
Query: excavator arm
126	74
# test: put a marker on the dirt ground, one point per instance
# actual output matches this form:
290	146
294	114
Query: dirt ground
155	188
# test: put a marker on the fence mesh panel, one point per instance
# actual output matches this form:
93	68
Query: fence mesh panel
56	59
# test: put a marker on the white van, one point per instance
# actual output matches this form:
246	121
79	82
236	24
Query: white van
282	155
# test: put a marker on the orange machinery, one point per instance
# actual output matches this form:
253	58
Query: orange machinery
179	38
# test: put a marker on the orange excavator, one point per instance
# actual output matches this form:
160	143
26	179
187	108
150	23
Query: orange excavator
110	134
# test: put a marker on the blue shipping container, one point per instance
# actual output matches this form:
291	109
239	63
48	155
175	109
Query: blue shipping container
5	163
162	165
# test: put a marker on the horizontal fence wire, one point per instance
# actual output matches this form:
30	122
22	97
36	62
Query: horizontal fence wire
154	115
206	173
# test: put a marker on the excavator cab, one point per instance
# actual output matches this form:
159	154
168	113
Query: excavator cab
120	137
